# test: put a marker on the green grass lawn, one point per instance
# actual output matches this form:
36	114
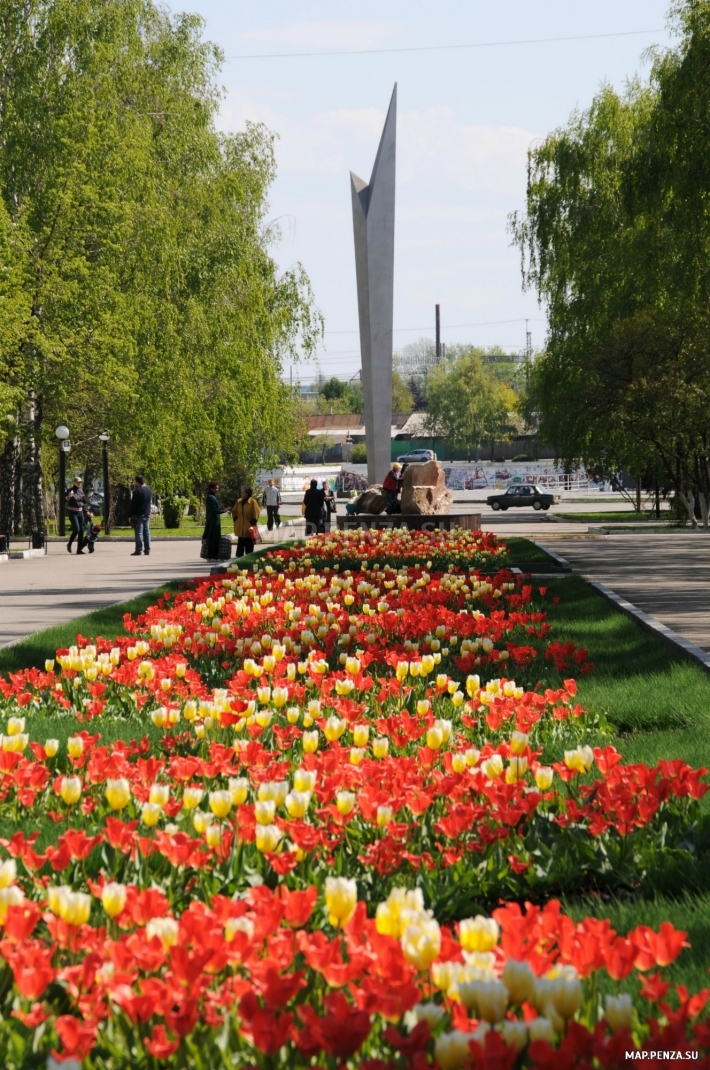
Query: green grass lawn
625	517
523	551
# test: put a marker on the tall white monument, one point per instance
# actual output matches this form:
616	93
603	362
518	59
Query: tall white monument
373	224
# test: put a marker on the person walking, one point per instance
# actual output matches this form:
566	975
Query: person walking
141	501
272	501
213	523
245	514
331	508
76	506
314	509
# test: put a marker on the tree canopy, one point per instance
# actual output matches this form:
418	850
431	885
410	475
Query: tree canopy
616	241
466	403
137	290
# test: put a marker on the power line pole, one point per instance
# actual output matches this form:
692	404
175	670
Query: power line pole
528	342
438	334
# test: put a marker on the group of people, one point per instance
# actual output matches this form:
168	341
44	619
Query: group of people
245	515
318	507
86	532
83	528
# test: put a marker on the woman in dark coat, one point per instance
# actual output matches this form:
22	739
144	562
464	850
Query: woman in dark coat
213	524
314	509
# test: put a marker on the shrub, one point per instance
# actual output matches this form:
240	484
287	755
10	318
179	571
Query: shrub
173	508
358	454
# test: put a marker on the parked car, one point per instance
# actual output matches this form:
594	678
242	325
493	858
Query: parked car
516	496
417	456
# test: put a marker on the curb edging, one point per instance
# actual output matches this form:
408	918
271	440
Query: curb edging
650	624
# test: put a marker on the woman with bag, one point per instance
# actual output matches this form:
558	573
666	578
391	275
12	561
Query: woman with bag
213	526
246	514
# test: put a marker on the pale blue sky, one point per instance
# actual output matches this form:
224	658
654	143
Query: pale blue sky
466	119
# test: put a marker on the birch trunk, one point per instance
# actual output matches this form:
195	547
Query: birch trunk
10	500
32	496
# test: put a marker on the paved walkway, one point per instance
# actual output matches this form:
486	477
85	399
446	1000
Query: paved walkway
665	574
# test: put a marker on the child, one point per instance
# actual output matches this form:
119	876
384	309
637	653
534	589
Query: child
93	530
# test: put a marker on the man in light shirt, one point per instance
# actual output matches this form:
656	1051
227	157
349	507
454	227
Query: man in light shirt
272	501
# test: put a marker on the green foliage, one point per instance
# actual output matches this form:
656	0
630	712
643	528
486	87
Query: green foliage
616	241
173	508
139	293
466	404
358	454
402	396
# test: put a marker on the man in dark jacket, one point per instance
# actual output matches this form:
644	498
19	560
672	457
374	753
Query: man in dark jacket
76	505
140	516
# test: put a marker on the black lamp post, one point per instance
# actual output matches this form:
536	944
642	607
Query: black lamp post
104	439
62	433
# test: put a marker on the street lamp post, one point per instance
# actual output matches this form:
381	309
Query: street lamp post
104	439
62	433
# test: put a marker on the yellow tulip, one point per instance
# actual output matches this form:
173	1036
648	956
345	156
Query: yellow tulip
304	780
345	802
51	746
384	816
478	934
151	813
543	777
70	789
518	742
619	1011
361	734
220	803
265	812
213	835
434	738
9	897
380	747
192	797
340	900
159	794
297	803
310	742
75	746
493	766
452	1051
267	837
421	942
201	821
239	789
519	979
8	873
118	793
165	929
15	725
113	898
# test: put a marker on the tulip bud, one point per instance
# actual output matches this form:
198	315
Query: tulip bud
151	813
267	836
380	747
514	1033
304	780
310	742
297	803
478	934
75	746
166	930
265	812
452	1051
8	873
421	942
543	777
518	742
239	789
493	766
519	979
51	746
361	734
345	802
541	1029
202	821
340	900
159	794
113	898
384	816
192	797
118	793
220	803
70	789
619	1011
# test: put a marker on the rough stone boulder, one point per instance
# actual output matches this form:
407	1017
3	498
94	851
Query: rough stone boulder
424	490
373	500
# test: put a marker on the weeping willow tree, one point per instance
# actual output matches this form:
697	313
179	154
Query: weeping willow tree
616	242
138	293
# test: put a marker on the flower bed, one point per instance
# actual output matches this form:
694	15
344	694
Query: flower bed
334	781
